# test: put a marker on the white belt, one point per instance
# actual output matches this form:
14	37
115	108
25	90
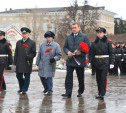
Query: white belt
101	56
124	54
118	54
3	55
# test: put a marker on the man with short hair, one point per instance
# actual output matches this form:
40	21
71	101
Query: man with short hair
71	44
23	59
101	52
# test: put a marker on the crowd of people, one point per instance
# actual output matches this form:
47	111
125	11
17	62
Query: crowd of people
119	49
77	47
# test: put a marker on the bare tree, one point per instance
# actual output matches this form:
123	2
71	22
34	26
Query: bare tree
33	20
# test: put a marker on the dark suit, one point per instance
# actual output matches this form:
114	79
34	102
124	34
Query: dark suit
71	44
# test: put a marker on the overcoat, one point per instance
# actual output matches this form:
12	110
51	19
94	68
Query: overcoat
43	59
23	54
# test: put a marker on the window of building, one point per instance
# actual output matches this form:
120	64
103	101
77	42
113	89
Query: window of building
4	18
10	18
24	24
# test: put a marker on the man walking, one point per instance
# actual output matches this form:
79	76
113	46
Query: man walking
23	59
71	44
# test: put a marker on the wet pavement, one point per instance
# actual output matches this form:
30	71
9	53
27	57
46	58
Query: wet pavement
36	102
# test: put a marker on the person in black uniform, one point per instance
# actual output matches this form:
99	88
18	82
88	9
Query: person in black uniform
118	57
123	60
23	59
102	53
5	58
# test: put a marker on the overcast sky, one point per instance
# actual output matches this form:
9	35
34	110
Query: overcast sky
117	6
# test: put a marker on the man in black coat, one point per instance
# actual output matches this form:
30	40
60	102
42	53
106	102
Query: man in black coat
101	53
23	59
5	58
71	44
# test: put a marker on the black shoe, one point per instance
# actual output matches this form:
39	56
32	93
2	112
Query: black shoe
23	92
45	91
66	95
79	95
100	97
49	93
19	91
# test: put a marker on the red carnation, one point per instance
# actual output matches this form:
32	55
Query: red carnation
84	47
26	51
48	50
25	45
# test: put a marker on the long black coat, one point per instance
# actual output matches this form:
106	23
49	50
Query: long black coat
20	58
102	47
72	44
5	50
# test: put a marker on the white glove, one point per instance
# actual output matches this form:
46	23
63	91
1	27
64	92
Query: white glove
88	64
122	59
111	66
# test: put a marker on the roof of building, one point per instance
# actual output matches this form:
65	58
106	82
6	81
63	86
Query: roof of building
55	9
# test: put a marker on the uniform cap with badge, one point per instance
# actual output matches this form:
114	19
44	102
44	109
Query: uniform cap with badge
25	30
2	33
101	29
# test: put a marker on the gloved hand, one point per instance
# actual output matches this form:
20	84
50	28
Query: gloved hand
122	59
111	66
52	60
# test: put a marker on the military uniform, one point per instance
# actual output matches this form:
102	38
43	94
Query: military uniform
102	53
23	59
5	58
118	57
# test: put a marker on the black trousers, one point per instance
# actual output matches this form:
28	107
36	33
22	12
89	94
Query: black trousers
93	68
101	78
69	79
23	81
116	65
2	82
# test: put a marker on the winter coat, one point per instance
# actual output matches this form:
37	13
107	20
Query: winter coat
124	53
21	58
102	47
5	50
43	59
71	44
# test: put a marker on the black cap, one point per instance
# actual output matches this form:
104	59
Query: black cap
101	29
2	33
25	30
49	34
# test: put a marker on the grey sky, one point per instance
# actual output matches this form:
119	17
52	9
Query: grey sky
118	7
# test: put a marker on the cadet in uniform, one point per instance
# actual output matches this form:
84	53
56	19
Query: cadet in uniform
102	53
5	58
118	57
23	59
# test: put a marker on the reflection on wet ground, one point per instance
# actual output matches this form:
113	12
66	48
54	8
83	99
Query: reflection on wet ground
36	102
